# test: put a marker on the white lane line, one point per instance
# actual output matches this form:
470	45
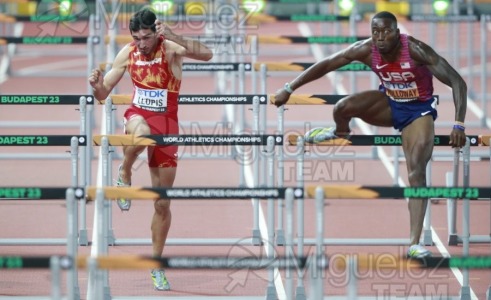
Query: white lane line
318	55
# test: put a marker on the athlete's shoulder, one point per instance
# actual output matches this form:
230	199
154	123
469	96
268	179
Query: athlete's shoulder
360	49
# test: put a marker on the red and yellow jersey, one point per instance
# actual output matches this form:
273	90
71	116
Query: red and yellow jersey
155	88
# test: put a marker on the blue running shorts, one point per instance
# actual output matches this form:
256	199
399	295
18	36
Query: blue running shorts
403	113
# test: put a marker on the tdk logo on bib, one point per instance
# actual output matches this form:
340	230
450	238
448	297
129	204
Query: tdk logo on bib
153	93
152	100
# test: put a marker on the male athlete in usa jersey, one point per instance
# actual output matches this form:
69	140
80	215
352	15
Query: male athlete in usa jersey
404	100
154	63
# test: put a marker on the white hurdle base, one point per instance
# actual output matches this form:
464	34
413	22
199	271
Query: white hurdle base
262	298
187	242
33	241
248	241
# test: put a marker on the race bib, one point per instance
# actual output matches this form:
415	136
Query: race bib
402	91
152	100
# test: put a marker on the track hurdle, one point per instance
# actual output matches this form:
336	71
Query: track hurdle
270	141
239	99
100	194
452	23
239	70
466	193
52	40
85	103
55	263
452	180
264	68
48	40
46	140
70	195
353	264
365	140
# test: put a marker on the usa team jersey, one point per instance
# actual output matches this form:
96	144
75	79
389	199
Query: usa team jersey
154	86
403	80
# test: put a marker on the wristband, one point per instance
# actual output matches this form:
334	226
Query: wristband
459	127
288	88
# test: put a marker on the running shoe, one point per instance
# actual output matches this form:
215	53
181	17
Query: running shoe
418	251
320	134
123	204
159	280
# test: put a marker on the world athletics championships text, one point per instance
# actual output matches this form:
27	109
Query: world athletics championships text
223	193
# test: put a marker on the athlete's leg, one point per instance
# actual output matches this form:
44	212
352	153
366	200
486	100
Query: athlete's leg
370	106
417	143
136	125
161	220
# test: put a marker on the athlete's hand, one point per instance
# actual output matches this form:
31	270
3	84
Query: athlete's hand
96	79
457	138
281	97
163	29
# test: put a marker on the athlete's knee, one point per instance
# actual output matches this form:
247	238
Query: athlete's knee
345	107
417	176
162	206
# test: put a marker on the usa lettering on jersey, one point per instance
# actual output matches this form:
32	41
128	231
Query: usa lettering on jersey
400	86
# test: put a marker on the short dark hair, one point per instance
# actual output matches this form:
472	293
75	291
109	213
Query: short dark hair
143	19
385	15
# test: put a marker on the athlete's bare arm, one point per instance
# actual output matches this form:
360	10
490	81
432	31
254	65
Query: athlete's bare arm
188	47
103	85
443	71
359	51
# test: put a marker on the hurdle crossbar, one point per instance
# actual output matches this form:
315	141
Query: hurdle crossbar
41	140
46	40
41	18
385	262
313	99
120	99
302	66
264	18
17	99
385	140
206	39
146	193
203	67
36	193
287	40
385	192
112	262
189	140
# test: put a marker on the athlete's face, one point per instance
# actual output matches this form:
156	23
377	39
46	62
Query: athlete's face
385	34
145	40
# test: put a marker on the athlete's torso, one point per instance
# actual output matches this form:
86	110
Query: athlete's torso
155	88
403	80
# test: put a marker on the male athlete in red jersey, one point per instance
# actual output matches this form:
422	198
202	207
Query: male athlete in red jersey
154	62
404	100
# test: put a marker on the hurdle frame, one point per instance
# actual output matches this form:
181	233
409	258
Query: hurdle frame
101	197
267	141
70	195
75	143
320	195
